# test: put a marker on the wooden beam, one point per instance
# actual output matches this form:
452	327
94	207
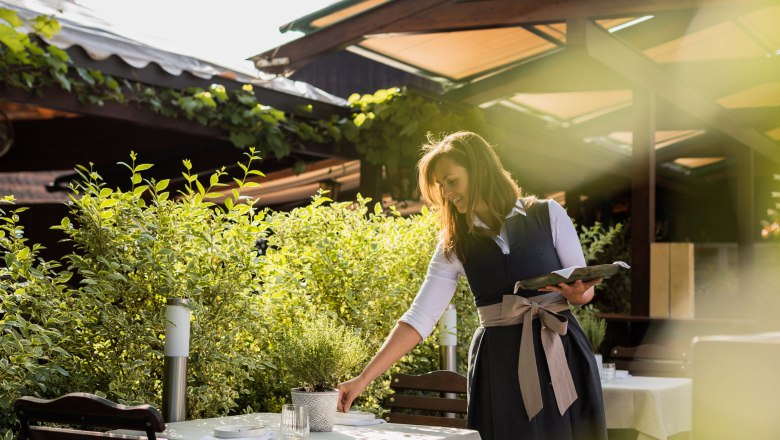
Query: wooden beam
642	201
706	145
747	228
527	144
630	63
465	15
679	23
551	73
668	117
288	57
733	75
762	118
59	99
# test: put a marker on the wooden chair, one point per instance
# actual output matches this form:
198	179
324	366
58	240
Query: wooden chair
83	411
427	406
652	360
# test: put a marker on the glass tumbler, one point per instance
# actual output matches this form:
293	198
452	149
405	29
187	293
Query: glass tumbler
294	423
608	372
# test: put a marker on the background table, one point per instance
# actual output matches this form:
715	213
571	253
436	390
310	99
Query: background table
196	429
656	407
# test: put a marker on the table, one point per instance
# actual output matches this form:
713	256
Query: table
656	407
196	429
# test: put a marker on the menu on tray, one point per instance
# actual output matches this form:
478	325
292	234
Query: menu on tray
571	274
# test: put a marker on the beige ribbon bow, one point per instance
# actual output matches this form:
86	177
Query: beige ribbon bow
516	309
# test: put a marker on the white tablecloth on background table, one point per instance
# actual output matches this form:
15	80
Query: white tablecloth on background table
197	429
657	407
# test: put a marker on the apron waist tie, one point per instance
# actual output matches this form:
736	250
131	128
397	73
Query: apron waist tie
516	309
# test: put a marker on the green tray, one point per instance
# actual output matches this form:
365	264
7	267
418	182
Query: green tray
582	273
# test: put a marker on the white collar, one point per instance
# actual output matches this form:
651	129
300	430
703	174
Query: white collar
517	209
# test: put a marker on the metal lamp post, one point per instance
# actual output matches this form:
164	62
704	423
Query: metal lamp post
177	348
448	338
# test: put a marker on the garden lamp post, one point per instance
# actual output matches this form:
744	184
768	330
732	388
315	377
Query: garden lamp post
177	347
448	338
448	341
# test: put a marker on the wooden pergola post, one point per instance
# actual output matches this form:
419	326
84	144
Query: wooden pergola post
746	220
642	200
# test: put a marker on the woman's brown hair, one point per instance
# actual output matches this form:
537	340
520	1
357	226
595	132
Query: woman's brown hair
488	180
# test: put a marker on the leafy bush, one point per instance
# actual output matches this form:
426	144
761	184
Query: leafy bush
319	353
137	248
363	268
33	314
602	246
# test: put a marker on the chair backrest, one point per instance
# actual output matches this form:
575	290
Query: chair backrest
83	411
438	399
652	360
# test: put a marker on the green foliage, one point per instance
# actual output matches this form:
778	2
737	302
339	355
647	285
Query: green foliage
33	314
137	248
602	246
318	353
387	127
595	328
362	267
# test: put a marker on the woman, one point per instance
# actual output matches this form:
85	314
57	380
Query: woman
532	374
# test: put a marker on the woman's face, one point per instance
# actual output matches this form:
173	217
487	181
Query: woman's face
453	180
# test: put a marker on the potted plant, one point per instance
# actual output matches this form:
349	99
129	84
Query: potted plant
318	354
595	329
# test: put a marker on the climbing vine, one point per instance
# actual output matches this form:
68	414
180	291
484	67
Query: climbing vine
386	127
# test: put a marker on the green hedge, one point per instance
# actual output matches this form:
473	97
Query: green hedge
94	322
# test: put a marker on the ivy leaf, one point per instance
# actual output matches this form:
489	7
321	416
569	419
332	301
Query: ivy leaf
58	53
205	98
46	25
241	139
62	79
218	91
11	38
82	72
246	99
299	166
11	17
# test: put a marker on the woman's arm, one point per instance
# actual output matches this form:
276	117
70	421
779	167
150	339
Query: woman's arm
569	249
413	327
402	339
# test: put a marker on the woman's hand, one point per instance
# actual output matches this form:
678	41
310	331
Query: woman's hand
577	293
348	391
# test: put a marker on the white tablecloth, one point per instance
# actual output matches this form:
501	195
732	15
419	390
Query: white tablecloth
657	407
197	429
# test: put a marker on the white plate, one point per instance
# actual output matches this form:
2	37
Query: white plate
234	431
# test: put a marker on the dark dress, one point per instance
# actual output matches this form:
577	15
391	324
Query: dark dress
495	406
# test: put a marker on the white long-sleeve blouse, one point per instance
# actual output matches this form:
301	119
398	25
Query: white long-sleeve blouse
442	277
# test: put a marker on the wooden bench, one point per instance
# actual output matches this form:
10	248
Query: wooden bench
83	412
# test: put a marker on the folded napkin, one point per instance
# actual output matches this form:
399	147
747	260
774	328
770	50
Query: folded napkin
240	432
566	271
269	435
357	418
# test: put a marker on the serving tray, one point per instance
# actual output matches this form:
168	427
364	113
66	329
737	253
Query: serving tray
581	273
